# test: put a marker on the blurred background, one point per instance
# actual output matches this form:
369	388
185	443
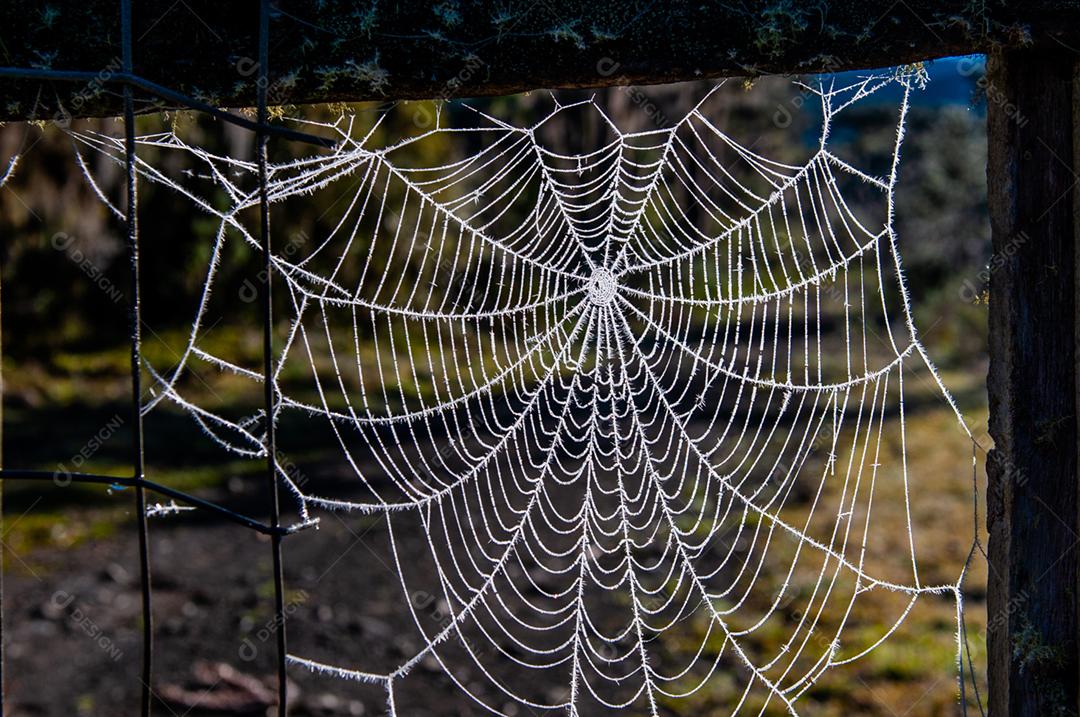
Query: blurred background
71	601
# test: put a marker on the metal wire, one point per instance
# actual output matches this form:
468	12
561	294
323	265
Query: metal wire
138	458
3	546
131	80
263	131
131	482
269	385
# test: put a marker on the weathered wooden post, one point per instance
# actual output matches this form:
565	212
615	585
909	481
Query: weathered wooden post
1034	197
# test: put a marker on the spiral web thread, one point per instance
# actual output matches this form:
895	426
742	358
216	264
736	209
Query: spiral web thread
606	390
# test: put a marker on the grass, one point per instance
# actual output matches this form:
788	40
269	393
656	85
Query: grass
912	674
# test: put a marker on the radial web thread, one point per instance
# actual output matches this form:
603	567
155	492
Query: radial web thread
630	398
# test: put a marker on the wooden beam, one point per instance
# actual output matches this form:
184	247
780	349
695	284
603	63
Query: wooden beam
1033	471
352	50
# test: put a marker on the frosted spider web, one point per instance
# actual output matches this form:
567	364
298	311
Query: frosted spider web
629	398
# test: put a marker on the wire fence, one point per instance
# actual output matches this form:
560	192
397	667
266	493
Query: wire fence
263	131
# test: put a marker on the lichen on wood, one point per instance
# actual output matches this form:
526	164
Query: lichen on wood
354	50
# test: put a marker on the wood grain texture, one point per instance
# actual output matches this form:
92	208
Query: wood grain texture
351	50
1032	518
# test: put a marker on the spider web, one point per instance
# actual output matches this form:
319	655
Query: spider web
623	394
